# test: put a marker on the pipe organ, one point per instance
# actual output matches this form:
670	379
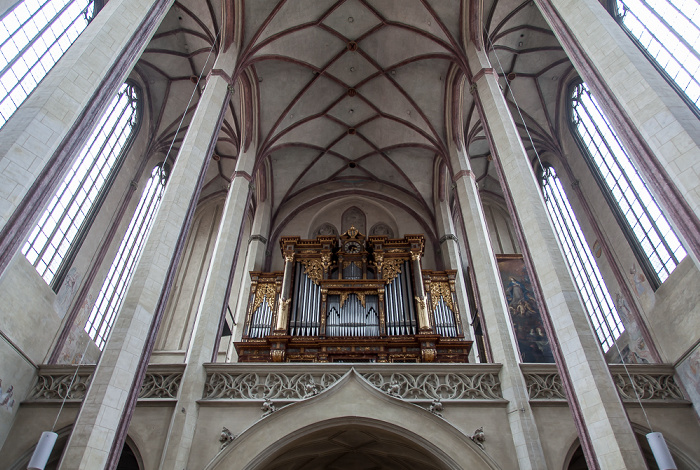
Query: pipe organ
353	299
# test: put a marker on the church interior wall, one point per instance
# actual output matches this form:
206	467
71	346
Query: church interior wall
176	328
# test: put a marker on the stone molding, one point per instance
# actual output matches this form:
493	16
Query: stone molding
411	382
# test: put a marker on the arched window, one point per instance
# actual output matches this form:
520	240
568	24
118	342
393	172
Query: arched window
657	247
111	296
668	34
33	36
589	281
67	217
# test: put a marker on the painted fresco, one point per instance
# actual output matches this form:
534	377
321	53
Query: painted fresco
525	316
689	371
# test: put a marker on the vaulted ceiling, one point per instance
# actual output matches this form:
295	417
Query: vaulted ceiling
350	93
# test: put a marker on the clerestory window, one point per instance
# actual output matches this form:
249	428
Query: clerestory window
113	290
33	36
591	286
68	215
657	247
668	34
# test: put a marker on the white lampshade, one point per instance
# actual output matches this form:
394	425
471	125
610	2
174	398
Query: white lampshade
43	451
660	450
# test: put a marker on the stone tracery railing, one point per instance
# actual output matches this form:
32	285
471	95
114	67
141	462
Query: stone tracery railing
57	383
650	382
165	384
414	382
54	382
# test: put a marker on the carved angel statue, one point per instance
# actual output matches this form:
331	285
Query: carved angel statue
268	407
436	407
479	437
226	437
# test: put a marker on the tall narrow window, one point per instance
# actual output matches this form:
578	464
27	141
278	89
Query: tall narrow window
33	36
668	33
111	296
68	215
589	281
647	229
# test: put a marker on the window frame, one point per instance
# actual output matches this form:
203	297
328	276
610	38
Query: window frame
95	207
600	315
40	37
624	225
122	256
611	7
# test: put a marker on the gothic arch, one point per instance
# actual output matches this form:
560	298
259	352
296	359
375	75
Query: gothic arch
351	402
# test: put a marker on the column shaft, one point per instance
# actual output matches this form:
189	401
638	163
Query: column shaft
41	140
108	404
257	244
211	309
660	132
601	408
497	320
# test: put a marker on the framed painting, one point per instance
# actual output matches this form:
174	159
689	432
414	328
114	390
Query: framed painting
525	315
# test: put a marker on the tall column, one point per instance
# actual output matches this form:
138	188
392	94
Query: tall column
106	410
41	140
496	317
660	132
449	246
601	409
257	244
212	307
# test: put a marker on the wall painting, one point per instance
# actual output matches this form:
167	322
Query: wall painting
525	315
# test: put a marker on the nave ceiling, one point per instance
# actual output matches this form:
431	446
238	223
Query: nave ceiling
351	95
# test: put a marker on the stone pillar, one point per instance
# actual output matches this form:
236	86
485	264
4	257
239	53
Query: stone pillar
449	247
257	244
600	406
496	318
108	405
41	140
211	309
658	129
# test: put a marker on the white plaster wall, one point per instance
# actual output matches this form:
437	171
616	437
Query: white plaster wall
176	328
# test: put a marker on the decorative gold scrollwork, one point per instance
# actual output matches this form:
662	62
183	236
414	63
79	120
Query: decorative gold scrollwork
313	268
264	292
345	294
392	268
348	263
441	289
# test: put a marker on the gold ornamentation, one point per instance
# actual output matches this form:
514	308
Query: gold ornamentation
415	256
348	263
264	292
345	294
288	257
325	260
277	355
428	354
441	289
313	268
392	268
